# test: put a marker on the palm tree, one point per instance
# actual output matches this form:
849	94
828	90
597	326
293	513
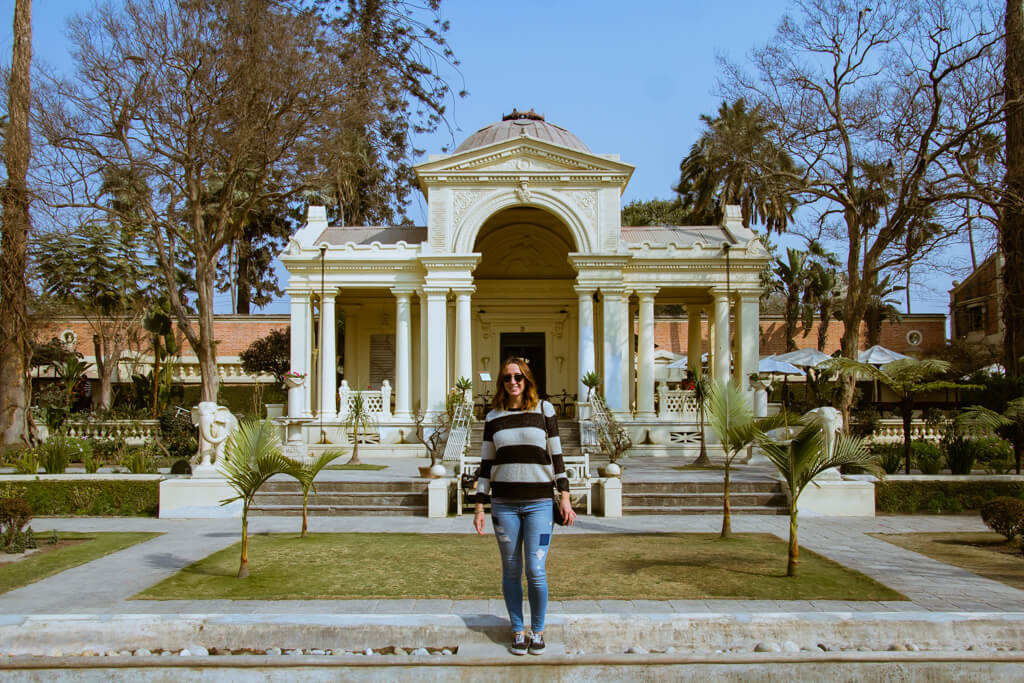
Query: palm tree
1009	424
732	419
252	455
700	392
907	378
735	162
306	473
792	281
881	308
825	295
801	459
358	420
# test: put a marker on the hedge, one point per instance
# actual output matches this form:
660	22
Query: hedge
941	497
118	497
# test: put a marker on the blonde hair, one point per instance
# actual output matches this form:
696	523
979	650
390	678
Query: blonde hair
501	396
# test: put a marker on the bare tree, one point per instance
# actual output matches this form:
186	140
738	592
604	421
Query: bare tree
15	344
874	104
1011	229
204	105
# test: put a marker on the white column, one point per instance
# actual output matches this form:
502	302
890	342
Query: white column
616	349
748	336
403	351
694	337
328	359
300	348
585	338
437	348
721	360
463	334
645	356
424	354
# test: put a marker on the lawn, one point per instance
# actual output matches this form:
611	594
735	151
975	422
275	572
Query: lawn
71	550
985	553
464	567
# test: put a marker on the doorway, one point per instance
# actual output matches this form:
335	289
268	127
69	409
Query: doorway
529	346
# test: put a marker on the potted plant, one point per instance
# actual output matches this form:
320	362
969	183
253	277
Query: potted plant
434	443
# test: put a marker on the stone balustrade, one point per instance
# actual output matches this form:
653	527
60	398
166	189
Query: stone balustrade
678	405
133	432
890	430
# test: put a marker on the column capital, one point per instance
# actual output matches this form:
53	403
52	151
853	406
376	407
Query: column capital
646	292
464	291
403	291
583	291
433	291
614	291
720	294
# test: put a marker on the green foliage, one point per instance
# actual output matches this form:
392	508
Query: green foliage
15	513
941	496
27	462
888	456
269	355
928	457
1004	515
91	463
109	451
359	420
993	453
138	461
661	212
87	497
306	473
177	433
59	450
961	451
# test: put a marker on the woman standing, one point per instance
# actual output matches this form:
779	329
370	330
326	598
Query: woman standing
521	459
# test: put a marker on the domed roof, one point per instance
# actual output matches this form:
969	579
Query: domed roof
518	123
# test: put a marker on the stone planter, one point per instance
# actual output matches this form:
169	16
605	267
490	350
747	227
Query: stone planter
432	471
610	470
274	410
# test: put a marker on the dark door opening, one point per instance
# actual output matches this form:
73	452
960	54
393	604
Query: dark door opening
529	346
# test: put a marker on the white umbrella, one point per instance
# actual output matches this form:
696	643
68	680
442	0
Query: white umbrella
772	365
681	363
806	358
879	355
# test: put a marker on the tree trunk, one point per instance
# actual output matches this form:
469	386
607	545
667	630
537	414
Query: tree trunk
243	564
726	507
242	280
15	385
1011	229
305	524
794	547
206	349
354	460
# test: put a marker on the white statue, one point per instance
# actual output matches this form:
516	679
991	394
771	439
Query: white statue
343	393
215	425
662	392
831	421
385	397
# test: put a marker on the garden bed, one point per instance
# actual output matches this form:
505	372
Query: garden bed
943	494
63	495
985	553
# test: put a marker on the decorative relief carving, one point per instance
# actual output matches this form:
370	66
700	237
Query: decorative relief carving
523	191
587	202
464	199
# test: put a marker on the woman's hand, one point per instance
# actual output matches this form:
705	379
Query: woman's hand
567	512
478	518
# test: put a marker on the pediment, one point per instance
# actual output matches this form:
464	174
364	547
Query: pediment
523	155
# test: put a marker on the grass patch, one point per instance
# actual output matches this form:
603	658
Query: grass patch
985	553
467	566
685	468
360	466
50	560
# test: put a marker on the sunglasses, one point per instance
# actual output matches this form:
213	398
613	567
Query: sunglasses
517	378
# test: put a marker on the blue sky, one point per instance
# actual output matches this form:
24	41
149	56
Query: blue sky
627	78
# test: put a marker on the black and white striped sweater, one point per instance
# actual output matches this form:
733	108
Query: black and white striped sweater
521	454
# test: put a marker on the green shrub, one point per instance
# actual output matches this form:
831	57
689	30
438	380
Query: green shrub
138	460
15	513
994	454
57	452
177	433
960	452
91	463
87	497
109	451
27	462
941	497
889	456
928	457
1004	515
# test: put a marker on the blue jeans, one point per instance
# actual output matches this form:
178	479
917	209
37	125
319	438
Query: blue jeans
519	528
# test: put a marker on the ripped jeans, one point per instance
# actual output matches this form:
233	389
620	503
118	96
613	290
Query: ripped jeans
524	527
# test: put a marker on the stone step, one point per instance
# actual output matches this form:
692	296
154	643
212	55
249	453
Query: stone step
716	510
630	486
329	486
368	498
341	510
702	500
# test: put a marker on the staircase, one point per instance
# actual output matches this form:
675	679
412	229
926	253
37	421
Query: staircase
349	498
701	498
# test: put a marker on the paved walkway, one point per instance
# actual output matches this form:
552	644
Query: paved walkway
106	585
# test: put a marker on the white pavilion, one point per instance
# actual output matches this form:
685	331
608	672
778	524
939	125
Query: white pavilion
523	254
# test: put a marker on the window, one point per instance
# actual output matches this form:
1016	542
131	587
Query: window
382	359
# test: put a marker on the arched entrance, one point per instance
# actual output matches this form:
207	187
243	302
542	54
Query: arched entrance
524	300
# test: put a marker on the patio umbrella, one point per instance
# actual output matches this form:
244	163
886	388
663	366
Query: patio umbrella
681	363
804	358
773	365
879	355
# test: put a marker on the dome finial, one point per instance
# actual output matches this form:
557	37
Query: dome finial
529	115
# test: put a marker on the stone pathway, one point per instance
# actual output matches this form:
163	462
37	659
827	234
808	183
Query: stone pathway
106	585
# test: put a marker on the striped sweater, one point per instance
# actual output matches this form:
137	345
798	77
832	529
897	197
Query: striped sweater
521	454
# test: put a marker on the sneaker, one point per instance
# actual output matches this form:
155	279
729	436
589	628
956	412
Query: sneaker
537	644
518	646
